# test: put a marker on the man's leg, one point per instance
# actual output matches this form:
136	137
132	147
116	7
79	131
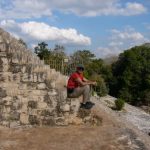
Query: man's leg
84	90
86	93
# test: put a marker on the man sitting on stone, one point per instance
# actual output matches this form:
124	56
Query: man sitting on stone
78	85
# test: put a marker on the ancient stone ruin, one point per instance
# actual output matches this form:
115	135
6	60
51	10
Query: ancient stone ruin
33	94
30	92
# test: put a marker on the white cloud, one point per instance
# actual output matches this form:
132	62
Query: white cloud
39	31
110	7
38	8
127	35
24	9
113	44
104	52
120	41
133	9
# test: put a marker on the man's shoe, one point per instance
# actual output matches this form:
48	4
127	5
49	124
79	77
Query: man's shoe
89	102
86	105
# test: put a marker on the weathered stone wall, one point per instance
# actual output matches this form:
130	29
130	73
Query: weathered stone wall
30	92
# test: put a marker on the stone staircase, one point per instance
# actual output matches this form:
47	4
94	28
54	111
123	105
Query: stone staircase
30	92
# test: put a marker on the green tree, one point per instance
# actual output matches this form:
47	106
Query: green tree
131	75
100	88
42	51
82	56
94	66
58	53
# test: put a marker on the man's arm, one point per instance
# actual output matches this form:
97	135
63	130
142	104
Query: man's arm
85	82
88	81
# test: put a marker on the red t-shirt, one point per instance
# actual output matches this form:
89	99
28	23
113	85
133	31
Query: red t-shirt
72	83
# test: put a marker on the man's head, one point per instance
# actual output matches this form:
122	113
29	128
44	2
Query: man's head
80	68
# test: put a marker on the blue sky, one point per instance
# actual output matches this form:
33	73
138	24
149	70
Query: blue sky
104	27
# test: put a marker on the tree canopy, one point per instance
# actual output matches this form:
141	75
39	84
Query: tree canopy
42	50
131	75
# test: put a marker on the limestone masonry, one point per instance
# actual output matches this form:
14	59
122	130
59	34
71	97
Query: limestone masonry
30	92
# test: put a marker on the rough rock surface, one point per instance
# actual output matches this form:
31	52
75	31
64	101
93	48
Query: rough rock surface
111	134
129	114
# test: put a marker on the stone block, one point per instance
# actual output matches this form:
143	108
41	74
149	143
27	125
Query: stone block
52	92
14	115
2	47
23	93
65	108
40	98
14	124
5	123
25	77
12	91
15	61
15	68
60	121
74	106
37	92
7	101
31	77
5	116
24	118
50	84
41	86
24	107
9	85
5	68
24	100
6	109
3	54
5	76
4	61
46	112
16	106
16	78
41	77
42	105
32	111
33	120
50	100
5	64
2	78
32	104
48	121
2	93
32	86
22	86
23	69
74	120
35	77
